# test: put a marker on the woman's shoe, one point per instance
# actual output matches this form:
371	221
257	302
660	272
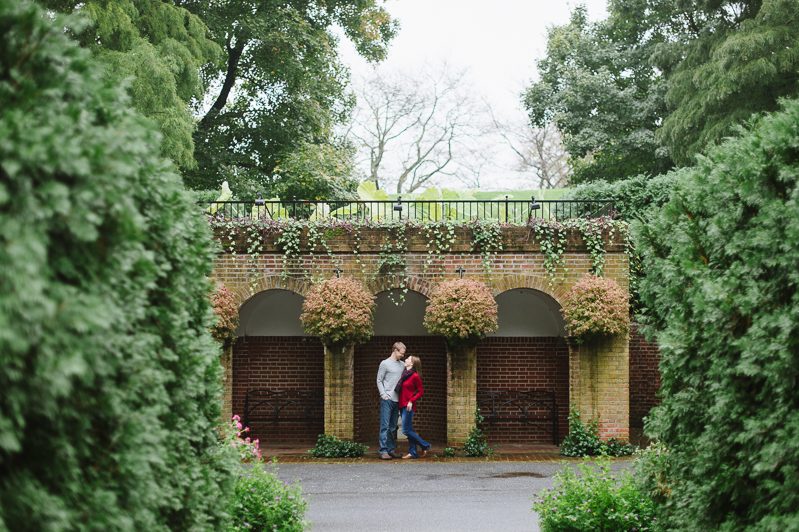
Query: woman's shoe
424	453
407	456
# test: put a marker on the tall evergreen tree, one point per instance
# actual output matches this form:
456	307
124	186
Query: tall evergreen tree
108	373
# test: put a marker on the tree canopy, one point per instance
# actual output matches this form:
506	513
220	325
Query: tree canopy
239	88
660	81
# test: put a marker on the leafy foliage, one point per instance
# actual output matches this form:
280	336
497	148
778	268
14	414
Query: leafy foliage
721	259
590	498
583	440
596	307
333	447
261	502
226	309
635	198
108	371
476	444
462	310
339	311
597	87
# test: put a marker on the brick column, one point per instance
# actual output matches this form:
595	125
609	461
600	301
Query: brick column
599	384
339	388
461	392
227	382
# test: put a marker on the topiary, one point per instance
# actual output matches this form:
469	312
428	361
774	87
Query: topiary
226	310
462	310
109	375
339	311
596	307
721	290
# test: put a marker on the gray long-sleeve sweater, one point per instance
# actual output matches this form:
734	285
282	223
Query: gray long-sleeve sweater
388	375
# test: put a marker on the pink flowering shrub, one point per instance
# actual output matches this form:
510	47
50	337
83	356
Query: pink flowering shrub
226	309
231	436
596	306
339	311
462	310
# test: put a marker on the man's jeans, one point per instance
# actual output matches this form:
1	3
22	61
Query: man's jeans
413	438
389	410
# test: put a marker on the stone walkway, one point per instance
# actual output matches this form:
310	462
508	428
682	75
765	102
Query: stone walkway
298	453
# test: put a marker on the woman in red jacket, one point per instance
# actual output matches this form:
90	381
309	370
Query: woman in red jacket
412	391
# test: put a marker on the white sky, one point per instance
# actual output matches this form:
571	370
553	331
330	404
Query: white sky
497	41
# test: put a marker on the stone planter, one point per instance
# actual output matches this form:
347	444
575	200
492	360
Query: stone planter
339	391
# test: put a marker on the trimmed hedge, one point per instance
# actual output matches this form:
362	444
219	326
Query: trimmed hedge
108	371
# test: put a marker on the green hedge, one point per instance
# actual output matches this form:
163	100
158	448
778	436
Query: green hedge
108	373
635	197
722	263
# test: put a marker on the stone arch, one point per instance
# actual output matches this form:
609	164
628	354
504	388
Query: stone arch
272	282
533	282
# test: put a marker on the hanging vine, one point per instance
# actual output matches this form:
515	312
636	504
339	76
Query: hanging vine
487	239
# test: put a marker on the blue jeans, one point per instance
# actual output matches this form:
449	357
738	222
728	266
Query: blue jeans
388	424
413	438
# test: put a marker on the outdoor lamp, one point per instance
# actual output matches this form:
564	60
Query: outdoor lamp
260	200
398	206
534	206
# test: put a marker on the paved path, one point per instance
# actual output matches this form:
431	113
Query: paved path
422	495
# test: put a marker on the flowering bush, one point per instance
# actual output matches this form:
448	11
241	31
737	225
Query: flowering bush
226	309
589	498
596	307
339	311
246	448
461	310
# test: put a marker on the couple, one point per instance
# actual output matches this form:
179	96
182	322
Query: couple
400	386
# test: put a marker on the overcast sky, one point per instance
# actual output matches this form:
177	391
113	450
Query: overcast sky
497	41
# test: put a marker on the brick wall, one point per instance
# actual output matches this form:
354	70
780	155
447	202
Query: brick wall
525	364
644	377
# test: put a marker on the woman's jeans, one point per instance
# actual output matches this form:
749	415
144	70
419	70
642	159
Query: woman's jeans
413	438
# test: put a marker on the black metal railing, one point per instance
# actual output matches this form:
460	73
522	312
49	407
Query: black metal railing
502	210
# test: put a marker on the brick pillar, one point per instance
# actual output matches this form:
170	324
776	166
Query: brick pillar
227	382
599	384
339	392
461	392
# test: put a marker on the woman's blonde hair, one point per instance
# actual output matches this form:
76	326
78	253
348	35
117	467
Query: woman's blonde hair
417	365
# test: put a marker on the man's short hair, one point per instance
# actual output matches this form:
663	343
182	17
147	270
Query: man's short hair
399	346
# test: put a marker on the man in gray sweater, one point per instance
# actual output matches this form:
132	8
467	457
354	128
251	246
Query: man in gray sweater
388	375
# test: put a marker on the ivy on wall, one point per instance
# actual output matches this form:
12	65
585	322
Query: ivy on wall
295	235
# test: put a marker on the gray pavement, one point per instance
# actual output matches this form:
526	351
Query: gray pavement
422	496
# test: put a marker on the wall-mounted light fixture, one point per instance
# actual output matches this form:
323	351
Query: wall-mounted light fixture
460	271
260	200
338	272
398	206
534	206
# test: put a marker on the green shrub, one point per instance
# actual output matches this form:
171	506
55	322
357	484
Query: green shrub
476	444
583	440
332	447
261	502
596	307
109	376
722	259
635	197
589	498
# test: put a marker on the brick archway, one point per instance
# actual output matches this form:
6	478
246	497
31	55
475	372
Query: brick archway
533	282
272	282
385	284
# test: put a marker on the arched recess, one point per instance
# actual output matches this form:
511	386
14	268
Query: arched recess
272	312
524	312
400	320
271	282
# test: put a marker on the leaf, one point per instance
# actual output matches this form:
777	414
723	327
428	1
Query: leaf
368	191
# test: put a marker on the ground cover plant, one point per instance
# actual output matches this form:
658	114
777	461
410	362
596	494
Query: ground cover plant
591	498
332	447
721	289
108	371
583	440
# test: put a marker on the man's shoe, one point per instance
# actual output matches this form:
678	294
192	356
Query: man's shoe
385	456
392	454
